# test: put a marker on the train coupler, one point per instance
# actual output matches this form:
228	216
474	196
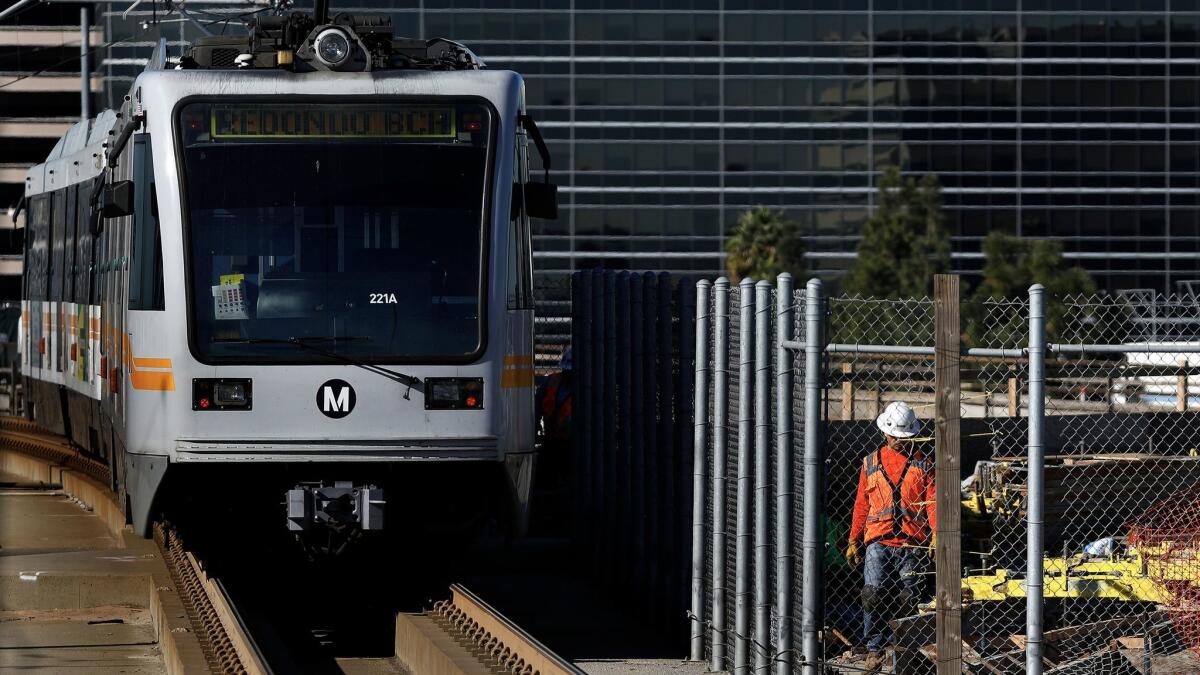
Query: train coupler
339	506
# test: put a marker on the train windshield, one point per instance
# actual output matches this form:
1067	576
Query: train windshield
358	228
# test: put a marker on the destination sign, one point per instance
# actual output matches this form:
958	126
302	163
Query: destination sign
317	121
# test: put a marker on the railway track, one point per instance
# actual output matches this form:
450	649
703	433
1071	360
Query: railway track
459	634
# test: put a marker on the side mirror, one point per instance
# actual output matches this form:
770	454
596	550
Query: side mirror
541	200
117	200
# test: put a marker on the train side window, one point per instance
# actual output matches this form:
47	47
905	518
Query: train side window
146	267
57	225
37	242
70	227
83	246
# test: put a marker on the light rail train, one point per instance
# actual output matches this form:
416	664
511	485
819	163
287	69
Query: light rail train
294	270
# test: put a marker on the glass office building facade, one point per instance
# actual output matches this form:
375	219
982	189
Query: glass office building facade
1072	119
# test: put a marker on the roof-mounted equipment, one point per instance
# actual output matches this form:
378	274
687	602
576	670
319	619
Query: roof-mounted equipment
301	42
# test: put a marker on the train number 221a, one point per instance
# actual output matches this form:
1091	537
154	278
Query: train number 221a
383	298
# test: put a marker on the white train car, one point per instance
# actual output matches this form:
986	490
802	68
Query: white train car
294	268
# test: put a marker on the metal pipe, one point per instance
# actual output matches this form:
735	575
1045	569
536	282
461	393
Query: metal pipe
901	350
762	478
745	479
624	489
1035	481
18	6
1188	348
637	452
685	380
784	359
699	443
85	63
649	513
814	473
665	457
995	353
578	320
608	467
596	470
581	435
720	440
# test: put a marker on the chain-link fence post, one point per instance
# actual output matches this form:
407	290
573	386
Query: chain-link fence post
607	467
745	479
596	418
649	467
720	441
784	358
665	550
762	438
699	444
579	336
814	470
684	387
637	451
1034	512
624	489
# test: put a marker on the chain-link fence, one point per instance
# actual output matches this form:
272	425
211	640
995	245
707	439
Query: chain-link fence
1079	482
552	319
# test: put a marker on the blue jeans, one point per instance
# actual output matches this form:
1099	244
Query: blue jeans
892	578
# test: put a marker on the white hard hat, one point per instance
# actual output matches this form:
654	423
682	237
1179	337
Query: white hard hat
899	420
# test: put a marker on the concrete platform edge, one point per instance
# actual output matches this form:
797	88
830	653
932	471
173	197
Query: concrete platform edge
86	490
182	653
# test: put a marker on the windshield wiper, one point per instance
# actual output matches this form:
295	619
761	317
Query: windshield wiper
305	342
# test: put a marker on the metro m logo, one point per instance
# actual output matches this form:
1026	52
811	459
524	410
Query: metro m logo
336	399
339	402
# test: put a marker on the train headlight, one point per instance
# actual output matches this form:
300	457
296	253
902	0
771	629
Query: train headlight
332	47
222	394
453	393
229	393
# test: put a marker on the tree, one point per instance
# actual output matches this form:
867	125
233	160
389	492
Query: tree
763	246
903	242
1011	266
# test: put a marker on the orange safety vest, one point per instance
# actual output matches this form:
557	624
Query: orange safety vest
897	510
557	413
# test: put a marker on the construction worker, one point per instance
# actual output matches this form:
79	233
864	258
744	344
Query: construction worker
894	518
554	402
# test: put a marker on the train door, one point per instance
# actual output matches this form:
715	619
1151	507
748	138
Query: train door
519	319
517	378
112	254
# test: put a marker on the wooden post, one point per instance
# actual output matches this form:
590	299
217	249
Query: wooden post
1014	398
1181	387
948	400
847	391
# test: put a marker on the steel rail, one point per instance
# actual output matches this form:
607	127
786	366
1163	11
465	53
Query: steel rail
503	645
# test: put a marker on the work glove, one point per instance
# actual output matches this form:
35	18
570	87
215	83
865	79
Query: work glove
853	554
933	545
